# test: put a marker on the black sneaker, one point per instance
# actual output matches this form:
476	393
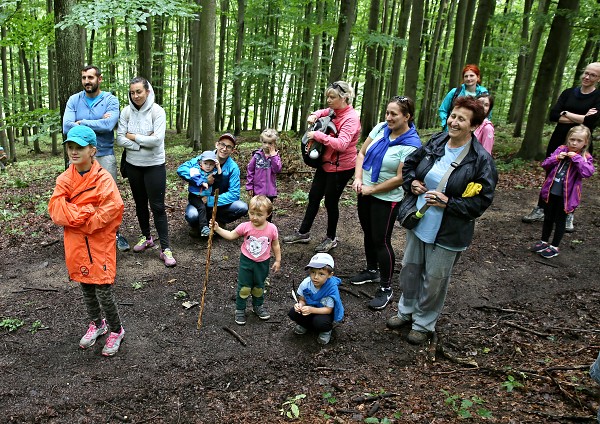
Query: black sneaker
365	276
382	298
297	238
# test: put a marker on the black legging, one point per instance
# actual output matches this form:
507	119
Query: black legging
148	185
554	216
377	218
329	185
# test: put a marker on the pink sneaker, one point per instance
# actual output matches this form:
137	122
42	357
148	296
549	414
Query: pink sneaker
167	256
92	334
143	244
113	343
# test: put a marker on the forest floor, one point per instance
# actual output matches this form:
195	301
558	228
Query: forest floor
514	343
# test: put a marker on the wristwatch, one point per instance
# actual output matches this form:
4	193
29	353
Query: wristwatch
563	113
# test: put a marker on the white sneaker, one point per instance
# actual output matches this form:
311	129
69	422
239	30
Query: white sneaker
92	334
113	343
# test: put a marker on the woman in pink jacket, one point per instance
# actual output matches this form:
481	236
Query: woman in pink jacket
339	159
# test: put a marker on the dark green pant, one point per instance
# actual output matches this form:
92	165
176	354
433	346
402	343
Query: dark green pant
251	281
98	298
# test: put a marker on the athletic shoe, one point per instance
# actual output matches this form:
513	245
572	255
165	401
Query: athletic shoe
92	334
418	337
297	238
397	321
261	312
300	330
113	343
167	256
382	298
324	337
539	246
536	214
326	245
205	231
569	228
240	316
549	252
366	276
122	243
143	244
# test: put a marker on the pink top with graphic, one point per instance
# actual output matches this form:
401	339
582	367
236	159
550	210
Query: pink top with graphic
257	243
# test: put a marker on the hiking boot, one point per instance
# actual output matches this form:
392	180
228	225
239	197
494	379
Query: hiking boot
300	330
205	231
324	337
143	244
92	334
261	312
240	316
122	243
366	276
549	252
398	321
569	228
297	238
167	257
326	245
418	337
539	246
113	343
536	214
382	298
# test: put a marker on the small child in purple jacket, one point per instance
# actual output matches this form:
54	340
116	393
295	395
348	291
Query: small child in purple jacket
264	167
566	168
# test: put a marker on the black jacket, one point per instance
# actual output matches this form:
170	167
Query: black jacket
458	222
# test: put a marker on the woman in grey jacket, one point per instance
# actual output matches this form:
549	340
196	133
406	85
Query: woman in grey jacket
142	133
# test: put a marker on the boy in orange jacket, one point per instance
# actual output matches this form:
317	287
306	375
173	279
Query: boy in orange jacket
87	203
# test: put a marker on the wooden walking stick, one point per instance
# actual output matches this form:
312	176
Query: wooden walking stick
208	250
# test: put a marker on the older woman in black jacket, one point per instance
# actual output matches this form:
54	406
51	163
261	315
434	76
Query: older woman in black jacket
446	229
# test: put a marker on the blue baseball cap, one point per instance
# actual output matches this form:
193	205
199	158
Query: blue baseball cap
209	155
81	135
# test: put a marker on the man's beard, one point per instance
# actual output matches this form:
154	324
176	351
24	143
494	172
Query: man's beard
93	88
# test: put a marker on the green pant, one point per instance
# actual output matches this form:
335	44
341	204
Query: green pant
251	281
99	298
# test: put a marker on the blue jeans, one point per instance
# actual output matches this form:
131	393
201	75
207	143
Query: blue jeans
595	374
225	213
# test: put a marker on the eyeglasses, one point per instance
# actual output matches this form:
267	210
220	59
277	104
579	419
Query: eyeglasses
337	87
590	74
400	99
228	147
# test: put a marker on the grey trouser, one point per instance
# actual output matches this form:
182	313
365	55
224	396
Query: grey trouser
109	162
424	278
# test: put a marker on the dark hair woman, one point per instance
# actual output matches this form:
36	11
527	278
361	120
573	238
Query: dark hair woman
378	183
446	229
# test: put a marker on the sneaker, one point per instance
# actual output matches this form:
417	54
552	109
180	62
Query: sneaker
92	334
122	243
366	276
167	256
539	246
205	231
297	238
569	228
326	245
324	337
113	343
261	312
418	337
382	298
240	316
300	330
398	321
549	252
143	244
536	214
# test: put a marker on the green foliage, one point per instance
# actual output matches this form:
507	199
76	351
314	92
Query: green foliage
137	285
328	396
290	407
11	324
300	197
179	295
35	326
465	407
510	384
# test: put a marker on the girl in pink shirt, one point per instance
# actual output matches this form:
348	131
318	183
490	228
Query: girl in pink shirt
485	132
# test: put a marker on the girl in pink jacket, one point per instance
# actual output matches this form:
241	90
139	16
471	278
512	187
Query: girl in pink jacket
485	132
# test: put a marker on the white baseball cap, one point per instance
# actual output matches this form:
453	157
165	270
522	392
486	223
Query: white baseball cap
320	260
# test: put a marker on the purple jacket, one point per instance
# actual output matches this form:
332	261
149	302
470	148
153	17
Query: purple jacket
262	173
579	168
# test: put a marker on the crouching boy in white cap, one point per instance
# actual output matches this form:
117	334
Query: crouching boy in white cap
319	304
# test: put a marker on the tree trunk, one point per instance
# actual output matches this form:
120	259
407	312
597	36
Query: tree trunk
398	50
10	133
521	61
158	57
346	21
195	123
181	71
484	12
369	105
237	77
219	106
207	71
90	52
413	59
144	51
456	63
560	34
309	81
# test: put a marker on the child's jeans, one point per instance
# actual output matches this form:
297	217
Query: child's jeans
595	374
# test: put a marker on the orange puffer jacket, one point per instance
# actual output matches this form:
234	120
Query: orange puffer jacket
90	209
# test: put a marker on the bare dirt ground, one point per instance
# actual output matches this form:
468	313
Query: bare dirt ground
512	321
